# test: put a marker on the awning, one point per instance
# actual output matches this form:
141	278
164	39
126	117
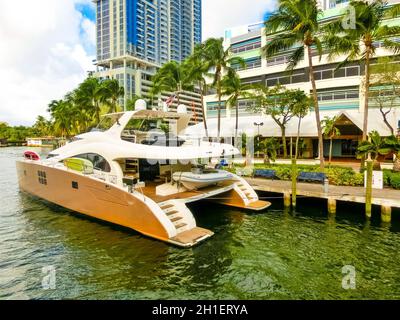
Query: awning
308	124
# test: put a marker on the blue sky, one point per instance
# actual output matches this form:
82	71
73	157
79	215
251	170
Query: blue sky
88	11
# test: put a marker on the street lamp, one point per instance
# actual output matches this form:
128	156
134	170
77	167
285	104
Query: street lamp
258	124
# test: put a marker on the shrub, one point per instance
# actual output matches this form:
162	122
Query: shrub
343	176
391	178
395	180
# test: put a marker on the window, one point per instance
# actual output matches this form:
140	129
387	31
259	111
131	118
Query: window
75	185
107	122
338	95
330	72
286	78
352	71
42	177
99	163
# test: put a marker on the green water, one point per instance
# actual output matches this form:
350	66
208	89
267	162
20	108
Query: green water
271	255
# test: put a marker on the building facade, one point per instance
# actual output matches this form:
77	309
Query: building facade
135	37
340	90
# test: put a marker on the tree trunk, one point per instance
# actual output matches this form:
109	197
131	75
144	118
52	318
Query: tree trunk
219	111
283	130
97	112
237	120
396	164
330	150
297	139
316	108
366	94
266	158
203	110
384	115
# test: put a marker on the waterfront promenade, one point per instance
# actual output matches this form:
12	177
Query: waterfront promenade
386	198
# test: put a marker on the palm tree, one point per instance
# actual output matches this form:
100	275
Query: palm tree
197	68
113	92
369	31
42	126
296	23
219	59
393	143
330	131
60	111
233	88
90	95
171	77
375	146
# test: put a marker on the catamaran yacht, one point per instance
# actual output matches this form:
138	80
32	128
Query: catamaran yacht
129	172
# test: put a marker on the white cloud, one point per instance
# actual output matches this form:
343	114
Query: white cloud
219	15
42	55
44	48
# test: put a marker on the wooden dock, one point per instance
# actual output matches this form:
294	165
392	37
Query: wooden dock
386	198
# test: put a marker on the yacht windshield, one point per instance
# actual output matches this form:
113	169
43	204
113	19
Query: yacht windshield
108	121
145	125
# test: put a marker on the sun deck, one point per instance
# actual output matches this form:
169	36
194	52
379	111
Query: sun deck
150	191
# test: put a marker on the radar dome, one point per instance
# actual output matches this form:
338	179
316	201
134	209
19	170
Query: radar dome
140	105
181	109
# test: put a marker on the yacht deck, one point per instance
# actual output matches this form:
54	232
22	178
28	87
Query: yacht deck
150	191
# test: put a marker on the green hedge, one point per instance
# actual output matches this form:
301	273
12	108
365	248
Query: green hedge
391	179
337	175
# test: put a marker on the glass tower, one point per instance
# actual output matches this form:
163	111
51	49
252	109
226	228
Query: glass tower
156	31
136	37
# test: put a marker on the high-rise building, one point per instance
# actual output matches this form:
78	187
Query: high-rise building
156	31
135	37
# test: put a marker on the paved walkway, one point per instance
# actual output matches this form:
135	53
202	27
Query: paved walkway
387	197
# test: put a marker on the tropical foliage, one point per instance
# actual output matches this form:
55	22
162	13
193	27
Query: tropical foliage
233	89
360	41
171	77
330	131
269	147
295	27
14	134
220	60
384	89
375	146
393	143
80	110
281	105
198	70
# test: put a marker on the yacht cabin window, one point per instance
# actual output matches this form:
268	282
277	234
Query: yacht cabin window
99	163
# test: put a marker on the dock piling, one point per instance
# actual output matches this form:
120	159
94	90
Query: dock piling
331	206
286	199
294	182
386	213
